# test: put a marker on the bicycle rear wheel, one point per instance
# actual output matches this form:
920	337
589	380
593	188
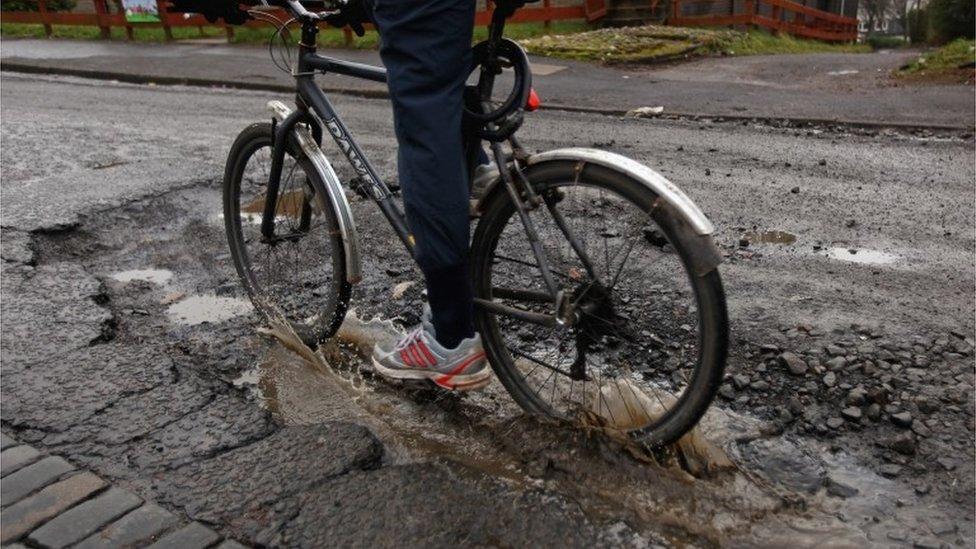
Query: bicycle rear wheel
645	352
300	273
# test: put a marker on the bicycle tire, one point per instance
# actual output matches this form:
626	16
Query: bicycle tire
497	208
328	316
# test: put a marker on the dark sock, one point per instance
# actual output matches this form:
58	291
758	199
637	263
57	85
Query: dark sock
451	301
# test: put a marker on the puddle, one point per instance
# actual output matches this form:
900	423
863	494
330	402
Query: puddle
155	276
770	237
842	72
198	309
701	477
289	205
248	378
863	256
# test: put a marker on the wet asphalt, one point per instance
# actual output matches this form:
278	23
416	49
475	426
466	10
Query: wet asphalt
824	86
99	178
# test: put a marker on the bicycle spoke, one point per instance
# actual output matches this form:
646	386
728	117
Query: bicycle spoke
290	268
534	360
622	322
527	264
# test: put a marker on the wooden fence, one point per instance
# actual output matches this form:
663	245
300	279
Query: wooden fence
776	15
104	19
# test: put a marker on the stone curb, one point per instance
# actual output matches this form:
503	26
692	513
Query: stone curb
48	502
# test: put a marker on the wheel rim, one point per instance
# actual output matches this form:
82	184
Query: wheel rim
632	352
294	271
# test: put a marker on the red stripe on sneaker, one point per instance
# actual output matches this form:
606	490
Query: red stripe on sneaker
405	357
415	355
428	354
444	379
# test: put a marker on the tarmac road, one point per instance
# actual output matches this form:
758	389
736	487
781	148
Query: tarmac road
826	87
147	159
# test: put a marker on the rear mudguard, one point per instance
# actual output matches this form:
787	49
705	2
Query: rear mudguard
672	207
336	194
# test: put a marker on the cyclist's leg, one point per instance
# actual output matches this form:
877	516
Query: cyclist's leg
426	47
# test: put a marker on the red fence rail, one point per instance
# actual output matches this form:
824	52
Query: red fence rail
589	10
776	15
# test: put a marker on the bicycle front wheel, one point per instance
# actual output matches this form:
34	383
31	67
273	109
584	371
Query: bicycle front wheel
644	349
300	272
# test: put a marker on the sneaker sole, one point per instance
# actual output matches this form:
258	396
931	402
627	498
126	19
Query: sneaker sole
457	382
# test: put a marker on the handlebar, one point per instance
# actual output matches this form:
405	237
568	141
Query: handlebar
299	11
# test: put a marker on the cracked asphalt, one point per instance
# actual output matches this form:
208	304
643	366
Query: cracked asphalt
221	425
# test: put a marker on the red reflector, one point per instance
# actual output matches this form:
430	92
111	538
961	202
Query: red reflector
532	103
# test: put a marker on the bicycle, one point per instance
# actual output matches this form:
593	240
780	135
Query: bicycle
561	329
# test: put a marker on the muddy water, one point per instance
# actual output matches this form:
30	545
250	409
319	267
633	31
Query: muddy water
862	256
732	498
198	309
155	276
192	310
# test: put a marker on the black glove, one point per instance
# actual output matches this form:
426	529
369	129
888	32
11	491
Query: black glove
354	14
212	10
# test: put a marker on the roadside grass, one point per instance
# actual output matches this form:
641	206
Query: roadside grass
764	43
654	43
953	62
328	37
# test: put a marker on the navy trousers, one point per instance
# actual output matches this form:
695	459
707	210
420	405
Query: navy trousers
426	48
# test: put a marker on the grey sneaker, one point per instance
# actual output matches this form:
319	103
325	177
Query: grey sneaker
418	355
483	176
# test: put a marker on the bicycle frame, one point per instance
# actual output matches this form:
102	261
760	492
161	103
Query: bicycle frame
315	114
316	111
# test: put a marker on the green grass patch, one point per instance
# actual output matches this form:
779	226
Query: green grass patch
886	42
764	43
142	34
328	37
660	43
142	18
952	62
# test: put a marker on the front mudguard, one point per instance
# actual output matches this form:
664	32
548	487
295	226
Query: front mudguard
672	207
336	194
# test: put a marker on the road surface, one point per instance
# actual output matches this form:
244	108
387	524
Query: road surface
868	281
826	87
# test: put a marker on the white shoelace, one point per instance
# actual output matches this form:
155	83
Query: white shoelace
412	337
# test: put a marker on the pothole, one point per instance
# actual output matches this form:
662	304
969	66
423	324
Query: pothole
198	309
770	237
862	256
485	431
154	276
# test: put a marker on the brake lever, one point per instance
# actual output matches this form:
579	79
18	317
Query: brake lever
299	10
